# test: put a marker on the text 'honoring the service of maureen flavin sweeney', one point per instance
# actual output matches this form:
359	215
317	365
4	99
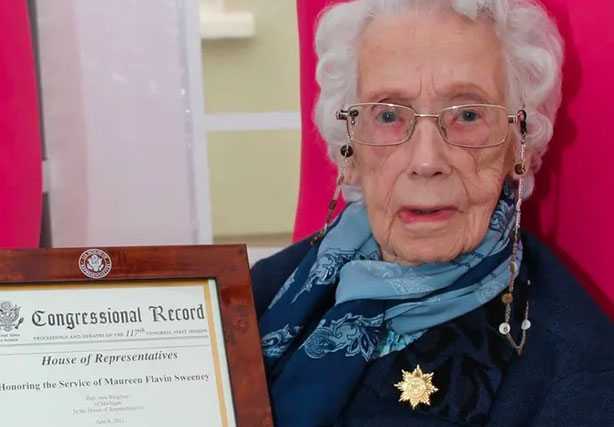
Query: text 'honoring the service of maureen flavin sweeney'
136	315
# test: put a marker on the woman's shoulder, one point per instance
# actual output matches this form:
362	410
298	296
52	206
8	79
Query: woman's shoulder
562	307
269	274
571	346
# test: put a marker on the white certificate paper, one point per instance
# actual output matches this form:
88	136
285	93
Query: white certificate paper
122	355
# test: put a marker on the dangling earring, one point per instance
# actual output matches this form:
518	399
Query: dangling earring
346	152
520	169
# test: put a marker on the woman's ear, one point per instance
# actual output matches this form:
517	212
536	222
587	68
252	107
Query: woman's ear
350	174
520	167
521	152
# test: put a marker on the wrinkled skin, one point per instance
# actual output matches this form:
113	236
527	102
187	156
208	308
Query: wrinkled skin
430	61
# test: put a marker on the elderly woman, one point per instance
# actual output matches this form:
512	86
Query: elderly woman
423	304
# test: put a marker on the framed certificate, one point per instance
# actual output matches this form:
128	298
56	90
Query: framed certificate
148	336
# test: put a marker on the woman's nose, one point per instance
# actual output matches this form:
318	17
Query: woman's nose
427	151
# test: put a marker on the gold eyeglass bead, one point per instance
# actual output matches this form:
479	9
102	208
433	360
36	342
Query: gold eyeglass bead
520	169
507	298
513	267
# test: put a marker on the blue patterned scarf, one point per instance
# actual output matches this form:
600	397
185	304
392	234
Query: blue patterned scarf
343	307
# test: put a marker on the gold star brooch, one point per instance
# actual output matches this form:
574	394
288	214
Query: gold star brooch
416	387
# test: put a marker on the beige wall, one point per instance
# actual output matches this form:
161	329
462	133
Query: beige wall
254	174
253	179
258	74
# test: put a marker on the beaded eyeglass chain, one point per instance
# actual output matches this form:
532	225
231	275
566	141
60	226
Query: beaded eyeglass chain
508	297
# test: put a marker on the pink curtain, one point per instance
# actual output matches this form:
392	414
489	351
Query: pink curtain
571	207
20	145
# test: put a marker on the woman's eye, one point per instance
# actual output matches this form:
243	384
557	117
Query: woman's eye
387	117
469	116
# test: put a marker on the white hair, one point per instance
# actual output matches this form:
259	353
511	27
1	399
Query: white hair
532	48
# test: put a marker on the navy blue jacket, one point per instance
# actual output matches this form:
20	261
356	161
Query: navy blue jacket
565	377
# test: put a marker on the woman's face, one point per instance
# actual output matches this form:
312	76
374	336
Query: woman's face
427	200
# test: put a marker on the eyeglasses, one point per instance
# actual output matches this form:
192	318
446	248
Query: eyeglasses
469	126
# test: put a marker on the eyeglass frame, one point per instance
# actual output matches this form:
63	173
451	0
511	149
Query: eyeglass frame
519	117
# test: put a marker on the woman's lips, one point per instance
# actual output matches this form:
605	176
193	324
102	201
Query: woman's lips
411	215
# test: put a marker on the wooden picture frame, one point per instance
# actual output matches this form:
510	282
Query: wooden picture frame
226	264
